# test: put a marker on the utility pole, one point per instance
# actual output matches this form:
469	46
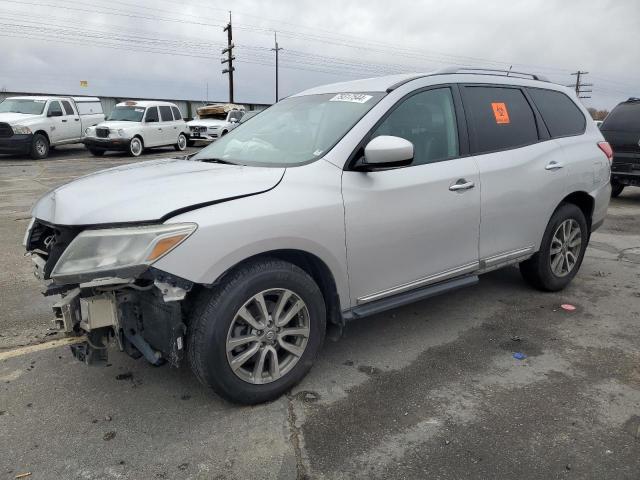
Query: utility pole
579	85
276	49
230	58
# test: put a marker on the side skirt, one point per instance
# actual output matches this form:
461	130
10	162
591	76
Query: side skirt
410	296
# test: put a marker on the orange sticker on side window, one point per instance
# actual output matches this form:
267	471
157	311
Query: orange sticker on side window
500	112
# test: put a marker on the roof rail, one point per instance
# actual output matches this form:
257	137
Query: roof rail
633	99
491	71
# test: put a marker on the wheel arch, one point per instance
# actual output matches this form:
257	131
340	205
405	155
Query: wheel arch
314	266
584	202
43	132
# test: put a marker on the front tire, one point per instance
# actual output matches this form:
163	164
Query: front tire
136	147
616	189
257	334
39	147
96	152
561	251
182	143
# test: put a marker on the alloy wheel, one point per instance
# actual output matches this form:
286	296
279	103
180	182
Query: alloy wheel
268	336
565	247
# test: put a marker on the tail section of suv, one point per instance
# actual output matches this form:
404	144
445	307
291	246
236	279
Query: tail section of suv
621	128
335	203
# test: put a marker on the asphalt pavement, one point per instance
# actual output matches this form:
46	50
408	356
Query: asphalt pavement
430	390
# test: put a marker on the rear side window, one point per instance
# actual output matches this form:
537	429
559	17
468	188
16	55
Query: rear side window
67	108
152	115
165	113
499	118
89	108
624	118
176	113
560	114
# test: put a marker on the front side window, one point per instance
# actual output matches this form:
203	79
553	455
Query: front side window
126	114
165	113
55	110
152	115
560	114
294	131
427	119
235	115
499	118
22	105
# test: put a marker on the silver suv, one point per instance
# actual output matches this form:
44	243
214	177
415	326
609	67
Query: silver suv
336	203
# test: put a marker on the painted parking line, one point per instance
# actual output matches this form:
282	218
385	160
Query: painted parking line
60	342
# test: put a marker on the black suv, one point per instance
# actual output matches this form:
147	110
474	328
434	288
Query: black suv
621	129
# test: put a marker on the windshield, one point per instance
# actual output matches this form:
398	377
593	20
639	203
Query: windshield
22	105
294	131
126	114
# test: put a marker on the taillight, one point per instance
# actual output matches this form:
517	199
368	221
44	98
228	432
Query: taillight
606	148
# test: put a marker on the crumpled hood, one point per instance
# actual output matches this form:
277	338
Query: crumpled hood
17	118
207	122
149	191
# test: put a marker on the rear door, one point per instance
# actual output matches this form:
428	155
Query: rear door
521	170
168	126
412	226
71	120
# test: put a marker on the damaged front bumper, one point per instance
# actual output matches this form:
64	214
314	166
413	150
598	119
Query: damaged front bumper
144	318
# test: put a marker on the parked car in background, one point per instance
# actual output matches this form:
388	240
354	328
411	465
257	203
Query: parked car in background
214	121
621	128
336	203
31	125
134	126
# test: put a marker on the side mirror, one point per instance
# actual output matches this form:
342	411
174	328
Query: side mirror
386	151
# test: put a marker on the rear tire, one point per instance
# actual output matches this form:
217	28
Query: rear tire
39	147
559	259
136	147
182	143
96	153
218	322
616	189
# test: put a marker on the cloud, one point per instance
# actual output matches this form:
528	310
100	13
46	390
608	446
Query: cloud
53	45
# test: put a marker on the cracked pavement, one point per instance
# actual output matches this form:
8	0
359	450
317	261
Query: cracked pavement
430	390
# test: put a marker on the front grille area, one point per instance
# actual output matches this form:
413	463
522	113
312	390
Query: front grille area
102	132
5	130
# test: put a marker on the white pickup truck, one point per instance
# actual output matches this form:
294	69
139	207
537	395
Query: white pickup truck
32	125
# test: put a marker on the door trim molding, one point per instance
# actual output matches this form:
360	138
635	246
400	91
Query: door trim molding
437	277
499	258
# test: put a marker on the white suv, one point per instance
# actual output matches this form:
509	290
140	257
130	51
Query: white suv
133	126
336	203
214	121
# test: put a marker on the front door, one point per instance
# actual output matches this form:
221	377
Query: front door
417	225
57	122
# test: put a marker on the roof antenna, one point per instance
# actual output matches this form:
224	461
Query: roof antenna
509	71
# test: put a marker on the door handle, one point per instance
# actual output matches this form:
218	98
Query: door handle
64	121
461	185
553	165
77	119
160	129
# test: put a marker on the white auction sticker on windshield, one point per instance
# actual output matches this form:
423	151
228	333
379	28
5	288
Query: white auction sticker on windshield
139	110
351	97
40	101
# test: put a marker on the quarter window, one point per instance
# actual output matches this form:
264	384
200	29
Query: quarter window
152	114
165	113
176	113
427	119
67	108
560	114
499	118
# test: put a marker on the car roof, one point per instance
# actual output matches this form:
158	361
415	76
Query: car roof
38	97
455	74
144	103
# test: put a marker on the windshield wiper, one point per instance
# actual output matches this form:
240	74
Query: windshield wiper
215	160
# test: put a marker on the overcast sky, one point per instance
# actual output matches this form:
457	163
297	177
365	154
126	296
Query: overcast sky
171	49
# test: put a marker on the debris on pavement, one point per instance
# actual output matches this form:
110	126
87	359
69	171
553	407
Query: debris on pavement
109	436
568	307
23	475
519	356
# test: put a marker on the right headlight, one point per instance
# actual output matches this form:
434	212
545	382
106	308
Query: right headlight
102	250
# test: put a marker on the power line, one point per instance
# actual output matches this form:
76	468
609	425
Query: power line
580	85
